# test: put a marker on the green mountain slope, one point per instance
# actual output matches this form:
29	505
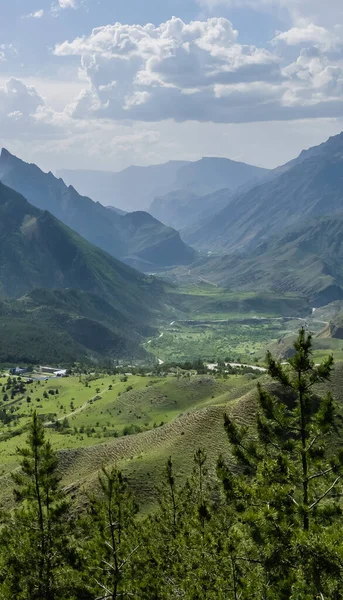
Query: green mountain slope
306	259
311	186
64	326
137	238
97	303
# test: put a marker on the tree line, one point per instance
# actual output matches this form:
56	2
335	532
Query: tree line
269	528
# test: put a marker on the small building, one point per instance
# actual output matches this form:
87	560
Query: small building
17	371
54	371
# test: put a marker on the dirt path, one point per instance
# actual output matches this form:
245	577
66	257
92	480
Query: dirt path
77	411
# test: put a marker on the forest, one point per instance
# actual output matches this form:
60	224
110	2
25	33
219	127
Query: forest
267	527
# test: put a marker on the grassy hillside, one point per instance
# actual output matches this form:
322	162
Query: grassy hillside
104	420
322	346
175	416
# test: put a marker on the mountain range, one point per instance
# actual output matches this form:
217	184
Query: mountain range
61	280
307	187
136	238
136	188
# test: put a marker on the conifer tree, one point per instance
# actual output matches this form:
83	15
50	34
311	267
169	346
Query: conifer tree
288	483
39	556
114	545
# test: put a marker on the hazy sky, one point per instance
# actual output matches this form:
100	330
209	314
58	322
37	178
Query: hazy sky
107	83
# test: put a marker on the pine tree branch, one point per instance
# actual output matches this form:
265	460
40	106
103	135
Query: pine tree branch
108	593
128	557
320	474
313	442
325	493
293	499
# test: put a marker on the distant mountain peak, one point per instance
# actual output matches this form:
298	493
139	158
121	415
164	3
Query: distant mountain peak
6	153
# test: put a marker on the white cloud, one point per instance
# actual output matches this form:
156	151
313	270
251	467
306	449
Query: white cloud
199	71
35	15
307	34
321	13
176	70
24	112
67	3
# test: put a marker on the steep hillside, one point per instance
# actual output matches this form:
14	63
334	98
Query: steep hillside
64	326
164	247
308	187
202	189
136	187
124	237
306	259
100	303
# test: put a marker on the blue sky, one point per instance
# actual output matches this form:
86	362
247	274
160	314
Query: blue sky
88	83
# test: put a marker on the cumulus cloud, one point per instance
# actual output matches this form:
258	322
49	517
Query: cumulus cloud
23	111
177	70
200	71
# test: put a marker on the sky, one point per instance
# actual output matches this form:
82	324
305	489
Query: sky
103	84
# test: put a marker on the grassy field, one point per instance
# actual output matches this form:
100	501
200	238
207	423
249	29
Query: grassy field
239	338
212	323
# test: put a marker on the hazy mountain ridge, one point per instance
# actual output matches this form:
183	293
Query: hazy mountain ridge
129	190
137	188
202	189
308	187
183	210
124	237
